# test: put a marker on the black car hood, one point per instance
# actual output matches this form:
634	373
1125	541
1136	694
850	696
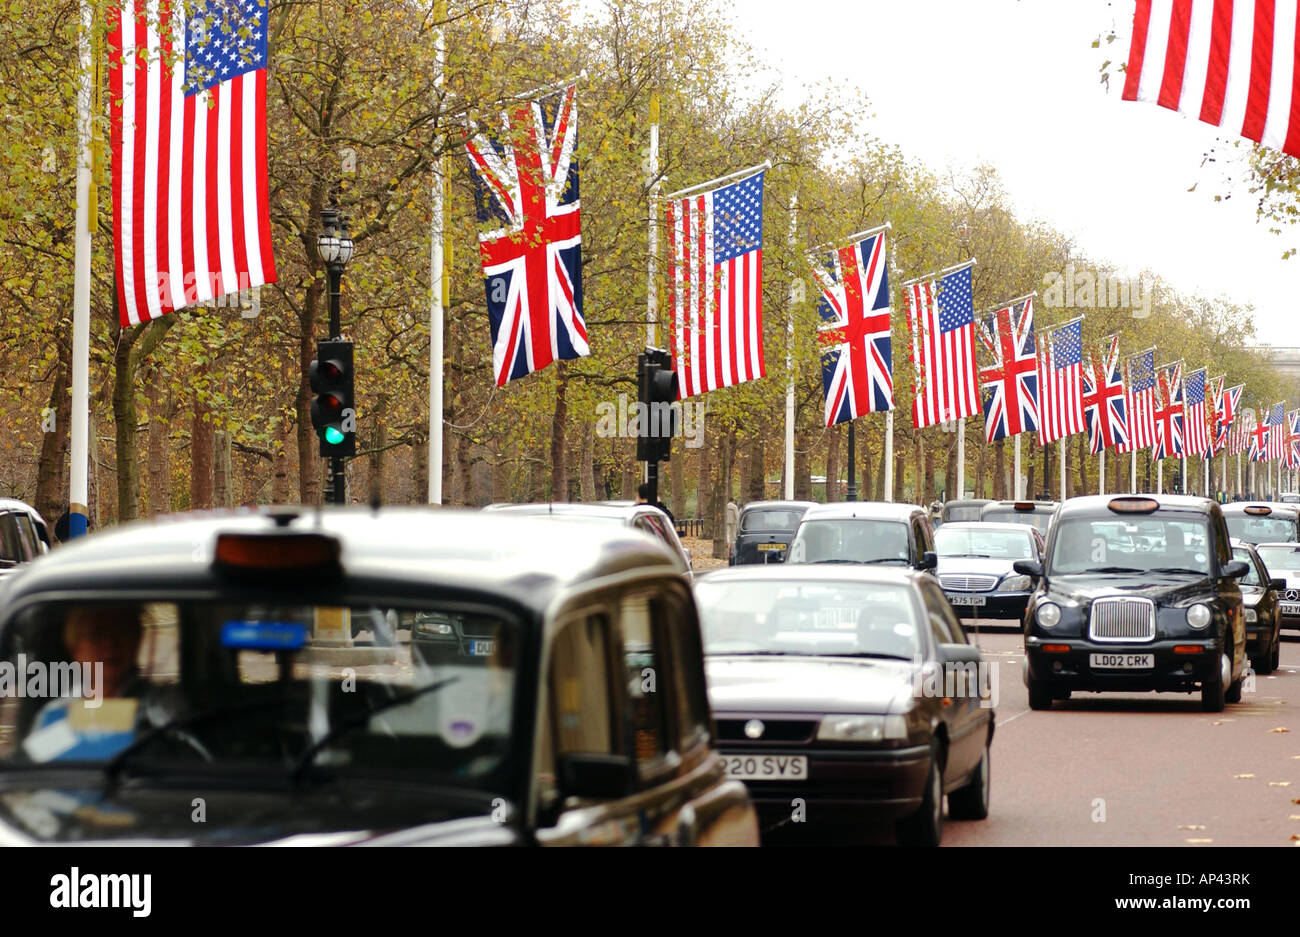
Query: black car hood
356	813
1160	588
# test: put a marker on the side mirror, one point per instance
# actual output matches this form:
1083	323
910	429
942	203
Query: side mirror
959	654
1277	585
591	776
929	560
1235	569
1028	568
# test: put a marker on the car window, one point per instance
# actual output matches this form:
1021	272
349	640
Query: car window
11	547
853	540
1223	542
1280	559
1252	577
984	542
1262	529
643	671
770	519
944	625
31	541
1154	543
686	652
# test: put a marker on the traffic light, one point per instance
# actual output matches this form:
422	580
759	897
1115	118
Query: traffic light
657	392
333	412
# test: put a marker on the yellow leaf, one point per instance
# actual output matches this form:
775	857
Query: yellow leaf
1243	775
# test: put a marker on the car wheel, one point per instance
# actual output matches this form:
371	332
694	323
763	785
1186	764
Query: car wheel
925	827
972	801
1275	660
1212	691
1233	693
1040	696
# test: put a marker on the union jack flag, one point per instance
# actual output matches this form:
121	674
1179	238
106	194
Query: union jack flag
1258	439
526	183
1103	399
1140	400
1169	413
856	371
1010	385
1060	377
1213	402
1275	421
1198	440
1229	404
1292	455
941	319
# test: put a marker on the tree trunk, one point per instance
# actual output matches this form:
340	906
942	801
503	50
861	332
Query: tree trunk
52	467
379	458
868	488
310	487
223	494
999	471
880	493
927	492
677	477
133	348
420	467
721	495
201	444
919	483
981	469
159	442
587	468
802	470
704	482
950	492
900	471
559	473
833	464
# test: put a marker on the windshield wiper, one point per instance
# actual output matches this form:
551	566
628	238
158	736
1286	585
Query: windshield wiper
1177	569
814	562
978	556
884	559
873	654
360	719
1109	569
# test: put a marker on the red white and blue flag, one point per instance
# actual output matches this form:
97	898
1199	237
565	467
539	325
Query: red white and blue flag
1276	422
191	209
1010	385
1258	451
1060	382
526	188
857	365
941	319
1291	457
1103	399
1229	406
1196	420
1140	399
715	277
1169	413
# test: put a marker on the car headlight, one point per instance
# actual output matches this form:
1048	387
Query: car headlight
1014	584
851	728
1198	616
1049	614
1250	615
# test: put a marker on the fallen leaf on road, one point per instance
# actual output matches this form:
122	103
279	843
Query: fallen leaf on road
1200	840
1217	722
1279	783
1295	800
1280	729
1243	775
1294	816
1192	827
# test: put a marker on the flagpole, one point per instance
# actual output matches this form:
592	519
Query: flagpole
852	238
752	170
1101	471
1009	303
652	170
1017	494
944	272
78	488
889	455
1060	457
1133	469
961	458
436	278
1160	476
789	367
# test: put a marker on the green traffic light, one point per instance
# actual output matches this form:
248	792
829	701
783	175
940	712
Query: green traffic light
333	435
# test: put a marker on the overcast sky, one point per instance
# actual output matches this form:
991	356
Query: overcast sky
1015	83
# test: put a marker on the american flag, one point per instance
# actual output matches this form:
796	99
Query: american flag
941	318
191	215
1010	385
526	185
856	371
1258	439
1103	399
1230	65
1198	440
1276	422
715	272
1228	433
1141	401
1169	413
1060	377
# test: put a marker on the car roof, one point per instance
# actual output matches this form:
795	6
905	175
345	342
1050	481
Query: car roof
390	549
1092	504
868	510
1290	544
13	504
1037	505
978	502
814	572
1239	507
763	505
988	525
615	510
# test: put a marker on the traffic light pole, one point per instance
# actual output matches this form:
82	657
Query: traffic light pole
338	485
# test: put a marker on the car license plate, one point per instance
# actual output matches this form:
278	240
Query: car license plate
771	547
482	648
1291	608
1122	661
766	767
957	598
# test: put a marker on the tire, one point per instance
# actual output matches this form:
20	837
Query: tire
1233	693
972	801
1275	660
1040	696
925	827
1213	696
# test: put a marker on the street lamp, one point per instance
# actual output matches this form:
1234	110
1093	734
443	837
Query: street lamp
334	247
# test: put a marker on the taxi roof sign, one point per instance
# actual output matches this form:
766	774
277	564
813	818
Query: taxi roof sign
1258	509
278	552
1133	505
1024	505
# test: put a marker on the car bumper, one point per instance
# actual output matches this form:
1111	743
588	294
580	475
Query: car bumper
846	784
996	604
1072	669
1286	621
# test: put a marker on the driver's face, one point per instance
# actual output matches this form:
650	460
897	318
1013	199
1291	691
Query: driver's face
113	641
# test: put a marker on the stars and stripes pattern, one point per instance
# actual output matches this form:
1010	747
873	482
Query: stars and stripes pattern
857	359
1228	428
1194	415
1060	379
191	215
1276	443
526	188
941	319
1140	401
1227	64
1169	413
1009	386
715	275
1104	399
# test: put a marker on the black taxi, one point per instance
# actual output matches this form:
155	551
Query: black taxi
1137	593
205	664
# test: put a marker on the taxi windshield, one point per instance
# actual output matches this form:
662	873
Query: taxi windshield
961	512
1039	518
1109	544
423	691
830	619
984	543
851	540
1255	528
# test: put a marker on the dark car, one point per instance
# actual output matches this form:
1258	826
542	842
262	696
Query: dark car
873	532
847	692
1261	609
569	707
975	567
24	535
1258	522
1282	561
1137	593
966	510
764	531
1037	514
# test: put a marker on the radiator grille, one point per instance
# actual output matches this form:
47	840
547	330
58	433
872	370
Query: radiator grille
1122	619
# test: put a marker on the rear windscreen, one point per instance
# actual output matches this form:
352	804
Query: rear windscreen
1261	528
774	519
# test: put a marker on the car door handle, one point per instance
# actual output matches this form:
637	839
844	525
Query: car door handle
687	830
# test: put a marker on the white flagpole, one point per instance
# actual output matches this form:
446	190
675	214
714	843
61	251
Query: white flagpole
750	171
78	488
961	458
1101	471
1017	494
889	455
1060	453
436	274
789	367
1160	476
652	170
1186	486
